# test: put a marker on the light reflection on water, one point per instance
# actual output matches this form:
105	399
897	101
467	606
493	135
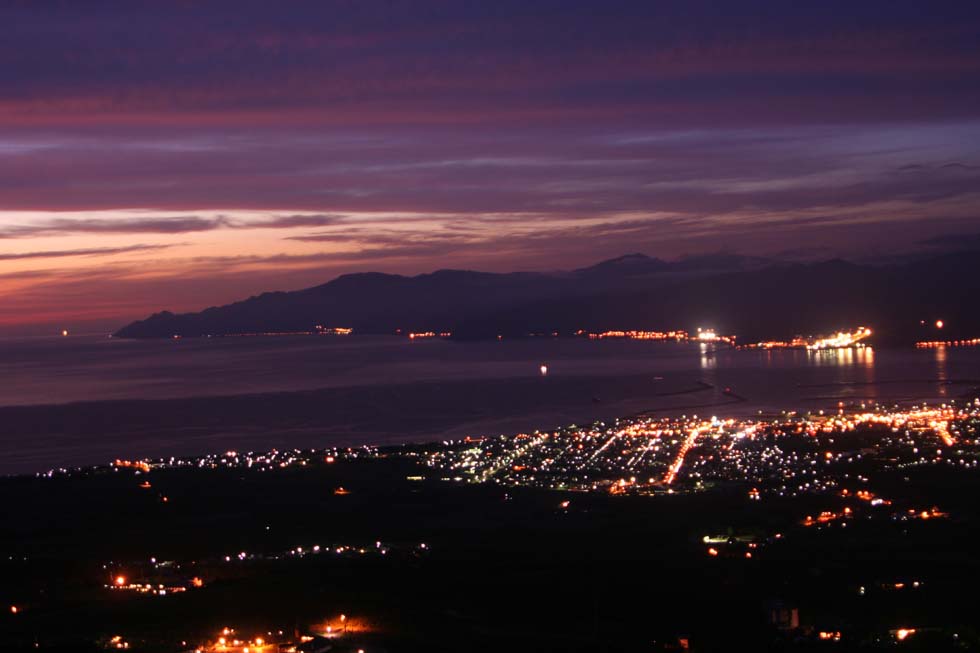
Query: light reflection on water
942	374
794	378
707	359
861	356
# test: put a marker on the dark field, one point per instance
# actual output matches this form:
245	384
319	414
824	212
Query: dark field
502	569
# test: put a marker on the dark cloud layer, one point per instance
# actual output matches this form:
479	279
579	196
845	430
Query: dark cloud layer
438	61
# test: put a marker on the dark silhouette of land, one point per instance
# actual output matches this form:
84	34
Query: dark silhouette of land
751	297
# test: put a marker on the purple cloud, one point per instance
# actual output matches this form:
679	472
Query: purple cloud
92	251
406	136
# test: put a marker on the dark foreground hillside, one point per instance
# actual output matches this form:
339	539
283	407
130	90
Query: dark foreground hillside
467	568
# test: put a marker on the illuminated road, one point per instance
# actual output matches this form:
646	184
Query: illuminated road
679	461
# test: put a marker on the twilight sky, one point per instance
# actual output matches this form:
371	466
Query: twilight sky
183	154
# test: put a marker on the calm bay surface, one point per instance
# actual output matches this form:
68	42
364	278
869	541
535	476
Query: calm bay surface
86	400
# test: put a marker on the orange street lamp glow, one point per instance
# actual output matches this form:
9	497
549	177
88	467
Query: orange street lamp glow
939	324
